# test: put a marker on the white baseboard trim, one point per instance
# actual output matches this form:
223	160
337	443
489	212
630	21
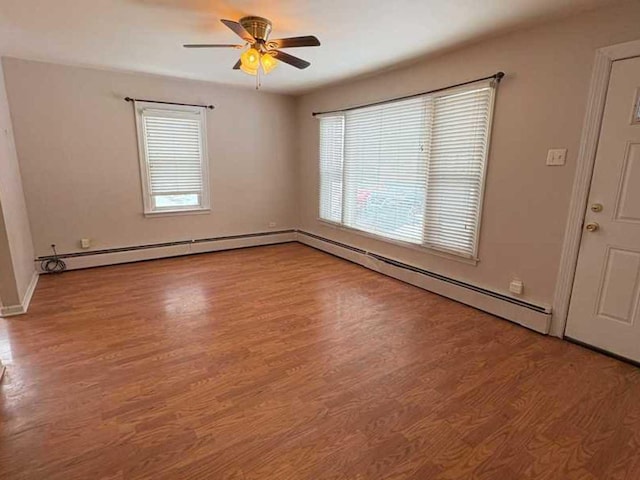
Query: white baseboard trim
149	252
26	301
534	317
12	310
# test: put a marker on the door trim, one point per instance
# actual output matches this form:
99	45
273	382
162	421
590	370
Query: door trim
582	180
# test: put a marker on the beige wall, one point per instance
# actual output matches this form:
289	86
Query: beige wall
540	105
8	288
16	247
76	139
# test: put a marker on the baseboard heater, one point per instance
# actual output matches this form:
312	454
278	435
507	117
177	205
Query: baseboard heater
535	317
111	256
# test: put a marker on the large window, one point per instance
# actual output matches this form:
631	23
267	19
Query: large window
173	158
410	170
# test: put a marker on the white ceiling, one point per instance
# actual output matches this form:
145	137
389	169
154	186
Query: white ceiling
358	36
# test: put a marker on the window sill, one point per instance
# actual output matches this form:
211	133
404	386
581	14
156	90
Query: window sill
171	213
412	246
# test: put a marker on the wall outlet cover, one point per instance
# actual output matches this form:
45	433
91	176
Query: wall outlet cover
557	156
516	286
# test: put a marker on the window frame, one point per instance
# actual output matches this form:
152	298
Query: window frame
473	258
148	200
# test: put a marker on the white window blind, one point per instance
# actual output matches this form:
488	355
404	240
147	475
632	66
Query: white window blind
457	155
410	170
173	158
331	153
385	169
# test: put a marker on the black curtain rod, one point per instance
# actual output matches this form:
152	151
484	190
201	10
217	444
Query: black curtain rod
496	76
129	99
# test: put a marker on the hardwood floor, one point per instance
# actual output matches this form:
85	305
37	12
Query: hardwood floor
283	362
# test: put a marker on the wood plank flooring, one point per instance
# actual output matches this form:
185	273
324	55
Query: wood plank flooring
283	362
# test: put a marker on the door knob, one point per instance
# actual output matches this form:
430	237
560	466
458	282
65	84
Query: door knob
592	227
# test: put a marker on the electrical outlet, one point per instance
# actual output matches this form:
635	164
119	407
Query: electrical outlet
557	156
85	243
516	287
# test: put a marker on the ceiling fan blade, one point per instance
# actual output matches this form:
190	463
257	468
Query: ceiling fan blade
290	59
239	30
212	45
237	65
292	42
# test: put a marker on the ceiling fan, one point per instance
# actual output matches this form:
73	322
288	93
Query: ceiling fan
262	52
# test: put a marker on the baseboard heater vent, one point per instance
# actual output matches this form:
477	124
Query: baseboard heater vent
165	244
111	256
533	316
452	281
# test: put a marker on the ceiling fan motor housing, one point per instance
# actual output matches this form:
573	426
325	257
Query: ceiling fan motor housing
258	27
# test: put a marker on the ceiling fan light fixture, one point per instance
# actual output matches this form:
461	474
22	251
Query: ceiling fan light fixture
268	62
249	71
250	59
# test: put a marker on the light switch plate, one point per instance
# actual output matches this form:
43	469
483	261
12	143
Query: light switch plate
557	156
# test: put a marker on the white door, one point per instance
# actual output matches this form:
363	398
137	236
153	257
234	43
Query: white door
605	303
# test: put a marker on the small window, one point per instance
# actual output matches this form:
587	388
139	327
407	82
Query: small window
173	158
